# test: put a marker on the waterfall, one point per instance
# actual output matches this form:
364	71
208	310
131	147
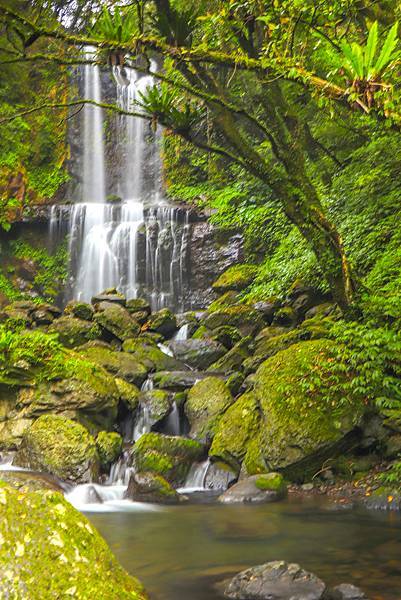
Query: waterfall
182	334
195	480
134	241
172	425
94	187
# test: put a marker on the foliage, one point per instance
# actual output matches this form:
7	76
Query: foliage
392	477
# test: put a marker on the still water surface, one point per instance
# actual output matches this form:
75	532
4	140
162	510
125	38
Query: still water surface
180	552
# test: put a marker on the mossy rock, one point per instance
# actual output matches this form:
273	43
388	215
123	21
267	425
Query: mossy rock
273	482
80	310
257	489
247	320
237	278
121	364
197	354
110	295
307	417
115	321
109	446
158	404
163	321
74	332
236	429
129	393
233	360
149	487
168	456
228	299
61	447
226	335
147	352
285	317
207	401
29	482
176	381
138	305
50	550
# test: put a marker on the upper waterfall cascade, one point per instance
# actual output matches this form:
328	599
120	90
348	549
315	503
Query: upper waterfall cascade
138	243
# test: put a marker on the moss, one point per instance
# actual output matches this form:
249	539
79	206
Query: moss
128	392
201	333
237	278
157	401
207	401
74	332
300	393
236	428
163	322
121	364
254	462
233	359
228	299
271	481
148	353
81	310
244	318
50	550
117	322
150	487
285	317
59	446
168	456
109	446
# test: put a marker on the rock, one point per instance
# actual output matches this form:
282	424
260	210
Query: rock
321	310
149	487
115	321
59	446
148	353
236	428
129	393
74	332
163	322
235	382
140	316
80	310
285	317
197	354
267	309
168	456
110	295
207	401
138	305
236	278
42	317
121	364
275	580
219	476
233	360
177	381
158	405
42	536
243	317
257	489
226	335
109	447
29	482
346	591
228	299
303	422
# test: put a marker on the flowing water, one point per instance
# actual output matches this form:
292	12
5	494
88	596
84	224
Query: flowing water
179	552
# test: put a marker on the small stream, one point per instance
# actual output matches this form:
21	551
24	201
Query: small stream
180	552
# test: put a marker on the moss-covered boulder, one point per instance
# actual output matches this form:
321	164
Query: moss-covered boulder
50	550
233	360
80	310
227	299
235	430
207	401
307	415
163	321
27	481
129	393
197	354
61	447
236	278
258	489
109	446
285	317
168	456
111	295
116	322
246	319
176	381
121	364
73	332
149	487
149	354
138	305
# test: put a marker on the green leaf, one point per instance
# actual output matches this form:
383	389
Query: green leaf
370	49
386	54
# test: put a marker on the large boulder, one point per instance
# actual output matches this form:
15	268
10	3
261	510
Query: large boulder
306	416
177	381
197	354
233	360
236	278
163	322
121	364
110	295
149	354
258	489
109	446
168	456
149	487
80	310
73	332
116	322
243	317
237	427
207	401
276	580
157	403
61	447
50	550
